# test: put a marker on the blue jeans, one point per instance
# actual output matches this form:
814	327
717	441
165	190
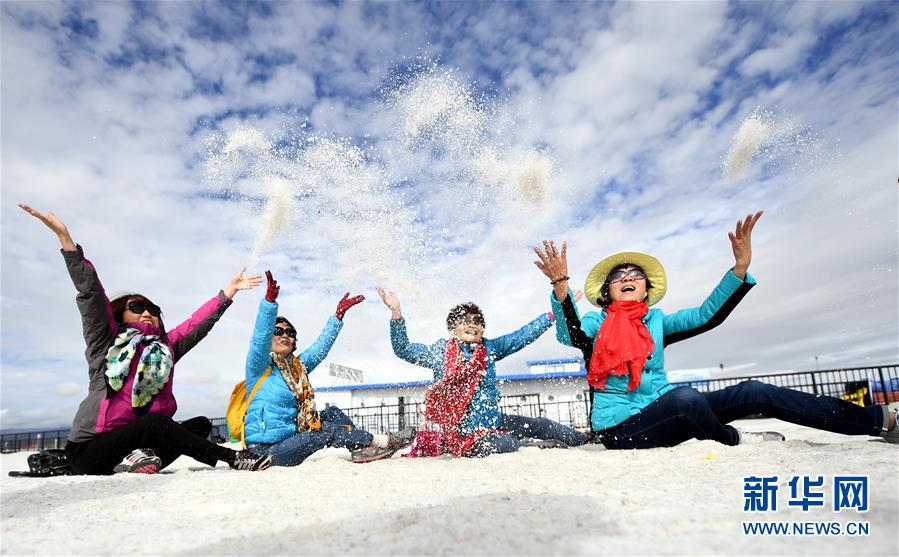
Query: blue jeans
337	431
684	413
516	428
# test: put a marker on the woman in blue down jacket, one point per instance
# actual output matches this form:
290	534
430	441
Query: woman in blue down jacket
282	419
634	405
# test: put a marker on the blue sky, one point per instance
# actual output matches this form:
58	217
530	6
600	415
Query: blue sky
109	110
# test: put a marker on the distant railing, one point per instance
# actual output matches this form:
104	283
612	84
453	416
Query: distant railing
862	385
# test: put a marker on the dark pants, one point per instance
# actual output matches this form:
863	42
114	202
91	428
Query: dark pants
684	413
337	431
166	437
516	428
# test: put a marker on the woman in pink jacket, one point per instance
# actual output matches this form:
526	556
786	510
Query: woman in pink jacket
125	423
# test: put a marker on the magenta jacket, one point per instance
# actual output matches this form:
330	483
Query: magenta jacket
104	409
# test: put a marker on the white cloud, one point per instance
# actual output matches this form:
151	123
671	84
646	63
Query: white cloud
69	389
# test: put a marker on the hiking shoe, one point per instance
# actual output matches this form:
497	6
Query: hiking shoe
139	461
746	437
248	460
544	443
892	435
372	453
402	438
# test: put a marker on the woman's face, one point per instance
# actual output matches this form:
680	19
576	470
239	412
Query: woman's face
284	339
139	311
628	287
469	330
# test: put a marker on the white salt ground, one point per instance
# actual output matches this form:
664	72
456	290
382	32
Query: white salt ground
682	500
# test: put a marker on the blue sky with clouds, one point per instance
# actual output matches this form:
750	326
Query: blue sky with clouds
109	111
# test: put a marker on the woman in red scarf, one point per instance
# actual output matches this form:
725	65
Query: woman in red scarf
634	406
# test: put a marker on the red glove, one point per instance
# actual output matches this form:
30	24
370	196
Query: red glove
271	293
346	303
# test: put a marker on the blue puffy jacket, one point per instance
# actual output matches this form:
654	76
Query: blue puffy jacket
615	403
483	411
272	414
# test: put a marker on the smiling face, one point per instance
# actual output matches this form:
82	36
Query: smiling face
139	311
468	330
282	341
627	288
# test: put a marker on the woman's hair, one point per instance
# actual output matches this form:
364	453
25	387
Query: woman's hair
604	299
120	304
459	312
280	320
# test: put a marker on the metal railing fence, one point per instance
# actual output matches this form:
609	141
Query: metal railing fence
861	385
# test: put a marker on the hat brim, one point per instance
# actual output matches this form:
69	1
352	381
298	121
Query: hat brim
650	265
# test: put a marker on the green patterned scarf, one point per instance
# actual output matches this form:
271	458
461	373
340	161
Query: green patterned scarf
153	370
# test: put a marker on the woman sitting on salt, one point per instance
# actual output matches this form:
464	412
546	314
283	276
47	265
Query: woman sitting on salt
634	406
464	399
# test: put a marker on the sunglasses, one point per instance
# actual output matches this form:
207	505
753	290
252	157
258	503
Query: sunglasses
471	319
137	307
619	276
284	331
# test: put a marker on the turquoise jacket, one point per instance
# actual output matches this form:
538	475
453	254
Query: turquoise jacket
615	403
483	411
272	414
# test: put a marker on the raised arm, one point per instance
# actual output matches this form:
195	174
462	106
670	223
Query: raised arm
511	343
735	284
98	324
194	329
572	321
315	354
259	355
416	353
554	264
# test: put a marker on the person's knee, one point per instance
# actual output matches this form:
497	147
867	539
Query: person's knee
328	412
685	398
158	419
757	390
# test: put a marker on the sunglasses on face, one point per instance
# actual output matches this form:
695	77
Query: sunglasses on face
137	307
471	320
619	276
284	331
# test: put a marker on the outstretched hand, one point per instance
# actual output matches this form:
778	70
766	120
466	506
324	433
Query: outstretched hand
741	243
240	282
346	303
53	223
272	290
391	301
554	264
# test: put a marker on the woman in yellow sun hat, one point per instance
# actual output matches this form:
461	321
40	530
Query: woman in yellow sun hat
633	404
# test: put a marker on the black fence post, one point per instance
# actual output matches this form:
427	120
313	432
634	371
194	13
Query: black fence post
814	384
401	412
886	392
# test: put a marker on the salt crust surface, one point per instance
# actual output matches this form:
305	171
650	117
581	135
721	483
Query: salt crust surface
681	500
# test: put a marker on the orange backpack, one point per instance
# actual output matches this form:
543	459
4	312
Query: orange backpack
236	414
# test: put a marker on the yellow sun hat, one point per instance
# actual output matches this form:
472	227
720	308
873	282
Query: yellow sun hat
650	265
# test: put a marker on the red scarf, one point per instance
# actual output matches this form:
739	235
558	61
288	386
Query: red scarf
622	345
447	400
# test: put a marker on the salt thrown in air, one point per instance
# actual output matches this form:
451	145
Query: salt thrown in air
749	139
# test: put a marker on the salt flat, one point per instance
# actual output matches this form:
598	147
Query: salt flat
682	500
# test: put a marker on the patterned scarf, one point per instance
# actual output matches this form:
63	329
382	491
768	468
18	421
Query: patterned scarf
622	345
153	370
294	373
447	400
